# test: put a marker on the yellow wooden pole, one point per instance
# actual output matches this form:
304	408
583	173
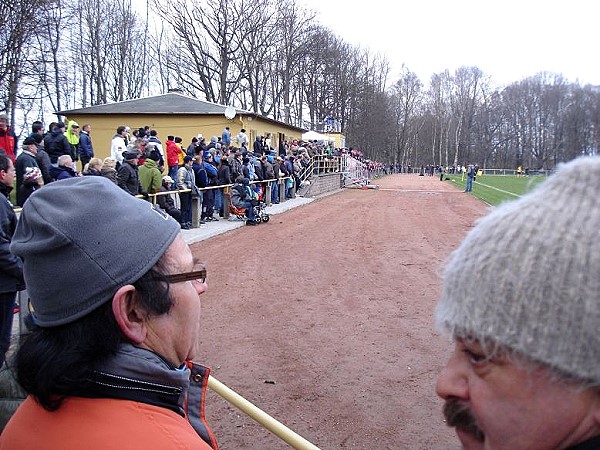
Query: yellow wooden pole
258	415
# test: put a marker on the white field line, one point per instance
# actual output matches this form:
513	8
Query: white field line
497	189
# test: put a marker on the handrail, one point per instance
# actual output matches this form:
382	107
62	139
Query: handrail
258	415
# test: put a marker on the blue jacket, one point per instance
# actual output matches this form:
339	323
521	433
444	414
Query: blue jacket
85	145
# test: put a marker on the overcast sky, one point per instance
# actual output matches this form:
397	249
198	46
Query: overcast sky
508	40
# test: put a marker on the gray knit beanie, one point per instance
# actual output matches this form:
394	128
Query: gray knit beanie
527	277
83	238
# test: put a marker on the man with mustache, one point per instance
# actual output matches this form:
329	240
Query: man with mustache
521	300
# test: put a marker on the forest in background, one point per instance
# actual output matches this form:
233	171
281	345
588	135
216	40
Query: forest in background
274	58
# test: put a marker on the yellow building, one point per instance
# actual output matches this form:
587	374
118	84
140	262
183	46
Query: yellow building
338	138
176	114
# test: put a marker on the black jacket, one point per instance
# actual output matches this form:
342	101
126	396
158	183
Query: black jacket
128	179
11	266
56	144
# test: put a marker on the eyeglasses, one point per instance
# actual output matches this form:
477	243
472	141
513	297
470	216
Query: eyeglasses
195	275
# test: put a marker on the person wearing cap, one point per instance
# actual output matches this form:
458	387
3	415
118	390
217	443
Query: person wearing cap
56	143
127	175
32	181
150	176
108	361
25	160
521	302
8	139
165	201
11	267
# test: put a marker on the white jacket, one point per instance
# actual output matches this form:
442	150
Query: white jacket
117	147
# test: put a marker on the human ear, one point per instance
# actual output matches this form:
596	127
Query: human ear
130	317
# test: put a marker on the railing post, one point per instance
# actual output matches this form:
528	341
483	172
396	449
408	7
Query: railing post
197	209
267	197
226	201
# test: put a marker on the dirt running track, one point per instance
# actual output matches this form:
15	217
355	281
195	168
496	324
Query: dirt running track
331	304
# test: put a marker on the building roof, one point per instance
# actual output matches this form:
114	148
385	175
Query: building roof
172	103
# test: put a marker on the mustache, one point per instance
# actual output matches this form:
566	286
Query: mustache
458	415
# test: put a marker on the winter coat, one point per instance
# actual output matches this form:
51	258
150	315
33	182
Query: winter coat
61	173
110	173
56	144
150	177
128	179
166	202
43	162
173	151
8	142
11	266
223	175
117	147
24	160
85	145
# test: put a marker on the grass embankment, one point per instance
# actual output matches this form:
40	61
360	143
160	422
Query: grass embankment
495	189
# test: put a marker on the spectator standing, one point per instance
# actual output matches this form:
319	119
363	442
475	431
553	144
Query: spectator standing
72	135
11	267
127	175
150	176
153	141
173	152
226	138
223	178
208	202
41	158
191	150
109	362
201	181
258	146
118	146
8	139
25	160
242	138
524	318
86	150
275	185
185	180
56	143
470	178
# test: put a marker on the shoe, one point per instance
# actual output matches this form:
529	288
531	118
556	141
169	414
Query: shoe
202	222
250	222
185	226
214	219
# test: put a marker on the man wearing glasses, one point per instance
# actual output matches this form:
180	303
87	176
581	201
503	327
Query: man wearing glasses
108	363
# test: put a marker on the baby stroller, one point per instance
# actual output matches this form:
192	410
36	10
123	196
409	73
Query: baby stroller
259	210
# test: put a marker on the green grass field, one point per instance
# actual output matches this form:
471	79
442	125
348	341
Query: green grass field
495	189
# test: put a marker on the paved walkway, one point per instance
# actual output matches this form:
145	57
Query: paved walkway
211	229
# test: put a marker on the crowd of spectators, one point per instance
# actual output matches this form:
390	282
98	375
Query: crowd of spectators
141	164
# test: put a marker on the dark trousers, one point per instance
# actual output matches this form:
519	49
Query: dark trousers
7	303
84	161
186	207
208	203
